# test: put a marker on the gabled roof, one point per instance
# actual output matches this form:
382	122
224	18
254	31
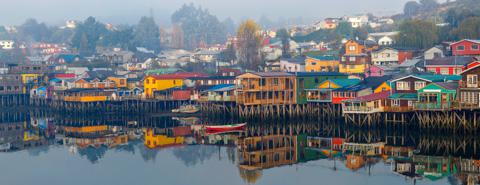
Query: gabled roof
471	66
443	85
222	87
403	96
177	76
371	97
345	82
452	60
468	40
271	74
376	81
352	88
411	76
307	74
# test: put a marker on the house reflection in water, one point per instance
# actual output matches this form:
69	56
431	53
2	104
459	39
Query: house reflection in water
93	136
22	135
156	137
262	152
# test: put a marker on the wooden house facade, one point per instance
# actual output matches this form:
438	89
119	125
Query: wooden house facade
469	87
262	88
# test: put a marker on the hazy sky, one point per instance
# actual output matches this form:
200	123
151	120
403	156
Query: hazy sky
129	11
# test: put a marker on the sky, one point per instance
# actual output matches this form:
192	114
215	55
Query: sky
56	12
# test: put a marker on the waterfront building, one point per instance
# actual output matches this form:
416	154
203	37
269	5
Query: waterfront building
262	88
469	89
323	93
437	96
308	82
162	82
371	103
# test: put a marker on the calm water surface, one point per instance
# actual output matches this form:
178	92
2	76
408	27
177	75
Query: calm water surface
45	149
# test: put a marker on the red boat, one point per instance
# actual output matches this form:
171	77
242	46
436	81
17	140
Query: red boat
225	128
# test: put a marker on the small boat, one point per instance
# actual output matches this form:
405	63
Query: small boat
187	109
225	128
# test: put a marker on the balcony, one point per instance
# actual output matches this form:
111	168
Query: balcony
361	109
433	106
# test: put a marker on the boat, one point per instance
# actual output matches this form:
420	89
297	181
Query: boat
187	109
225	128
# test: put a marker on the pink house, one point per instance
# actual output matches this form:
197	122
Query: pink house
374	71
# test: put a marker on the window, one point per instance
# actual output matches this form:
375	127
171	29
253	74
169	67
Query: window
395	102
275	81
472	81
148	81
353	59
419	85
352	48
444	71
410	103
314	63
403	86
316	80
475	47
460	48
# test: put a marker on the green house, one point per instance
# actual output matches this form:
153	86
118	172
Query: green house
311	80
436	96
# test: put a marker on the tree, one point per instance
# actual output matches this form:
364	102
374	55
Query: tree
284	36
249	43
344	28
411	8
147	34
417	34
229	26
31	30
199	26
118	37
177	37
229	54
468	29
87	35
429	4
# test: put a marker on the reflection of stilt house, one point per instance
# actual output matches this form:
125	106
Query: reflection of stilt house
267	151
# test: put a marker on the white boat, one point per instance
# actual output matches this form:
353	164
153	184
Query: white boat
187	109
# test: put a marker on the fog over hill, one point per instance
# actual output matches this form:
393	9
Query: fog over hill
127	11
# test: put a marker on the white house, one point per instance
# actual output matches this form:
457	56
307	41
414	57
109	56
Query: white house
293	65
358	21
433	52
385	56
6	44
383	38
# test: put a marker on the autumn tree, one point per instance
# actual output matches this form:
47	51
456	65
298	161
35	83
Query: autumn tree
249	43
177	37
417	34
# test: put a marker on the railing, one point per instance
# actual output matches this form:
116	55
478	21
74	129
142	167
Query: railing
398	109
361	109
463	84
85	98
432	106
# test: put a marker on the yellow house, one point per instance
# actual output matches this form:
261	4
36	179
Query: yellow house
355	58
321	64
28	78
385	86
154	83
153	140
120	82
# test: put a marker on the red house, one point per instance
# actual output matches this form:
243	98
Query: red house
448	65
466	47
